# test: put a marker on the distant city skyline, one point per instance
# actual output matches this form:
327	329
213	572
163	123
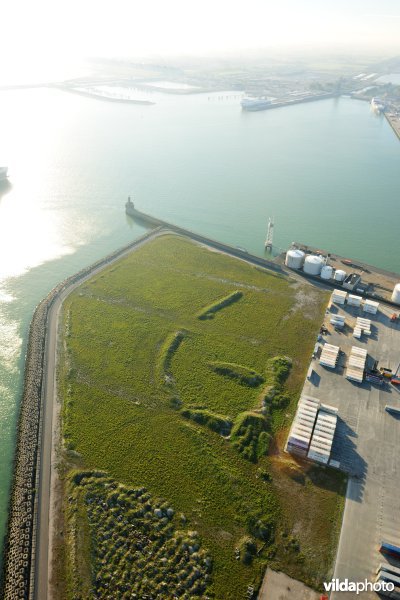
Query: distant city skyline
45	31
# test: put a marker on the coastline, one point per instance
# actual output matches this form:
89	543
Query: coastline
94	96
276	265
20	544
394	123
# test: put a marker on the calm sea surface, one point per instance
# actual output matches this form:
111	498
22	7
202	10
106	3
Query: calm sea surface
328	172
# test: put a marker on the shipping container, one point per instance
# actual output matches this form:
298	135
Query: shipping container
390	549
392	409
386	576
389	568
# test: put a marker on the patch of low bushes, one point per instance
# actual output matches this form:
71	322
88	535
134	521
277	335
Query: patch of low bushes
168	350
209	311
247	549
215	422
240	373
250	435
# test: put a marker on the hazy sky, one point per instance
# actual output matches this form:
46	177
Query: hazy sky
61	28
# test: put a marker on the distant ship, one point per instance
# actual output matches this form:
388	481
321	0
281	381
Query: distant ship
377	105
3	173
261	103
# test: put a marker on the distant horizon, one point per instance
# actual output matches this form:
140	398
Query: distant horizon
44	32
41	71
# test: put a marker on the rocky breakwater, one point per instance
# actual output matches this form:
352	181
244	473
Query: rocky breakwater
18	555
18	578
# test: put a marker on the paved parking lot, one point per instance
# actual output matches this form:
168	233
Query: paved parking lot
367	444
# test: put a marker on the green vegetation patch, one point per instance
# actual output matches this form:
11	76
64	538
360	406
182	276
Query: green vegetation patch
168	350
132	324
217	423
136	547
211	309
274	395
241	374
250	435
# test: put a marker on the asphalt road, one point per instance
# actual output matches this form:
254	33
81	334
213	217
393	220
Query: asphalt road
367	445
46	471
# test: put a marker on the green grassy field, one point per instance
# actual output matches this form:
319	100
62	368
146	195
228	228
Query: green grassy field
148	387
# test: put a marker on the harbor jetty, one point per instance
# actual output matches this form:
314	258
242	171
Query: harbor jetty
148	220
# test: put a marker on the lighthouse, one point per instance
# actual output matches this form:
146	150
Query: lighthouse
129	206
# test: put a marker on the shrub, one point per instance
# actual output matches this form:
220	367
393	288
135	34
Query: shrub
250	435
248	549
217	423
241	374
209	311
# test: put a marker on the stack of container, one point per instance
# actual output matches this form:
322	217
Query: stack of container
370	306
303	426
362	326
329	356
338	321
354	300
339	296
322	438
356	365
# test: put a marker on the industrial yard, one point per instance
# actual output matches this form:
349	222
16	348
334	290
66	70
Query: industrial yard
354	275
359	383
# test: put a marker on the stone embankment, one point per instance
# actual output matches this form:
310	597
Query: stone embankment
19	552
238	252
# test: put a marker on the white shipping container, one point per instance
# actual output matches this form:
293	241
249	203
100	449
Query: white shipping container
354	300
318	457
358	351
371	307
322	442
308	405
327	408
327	418
311	399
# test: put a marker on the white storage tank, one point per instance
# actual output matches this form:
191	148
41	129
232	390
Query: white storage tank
396	294
313	264
294	258
340	275
327	272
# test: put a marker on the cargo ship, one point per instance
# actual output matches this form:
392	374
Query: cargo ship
251	104
3	173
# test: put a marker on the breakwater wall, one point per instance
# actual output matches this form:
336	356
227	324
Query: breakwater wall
95	96
146	220
394	123
256	260
18	575
294	101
